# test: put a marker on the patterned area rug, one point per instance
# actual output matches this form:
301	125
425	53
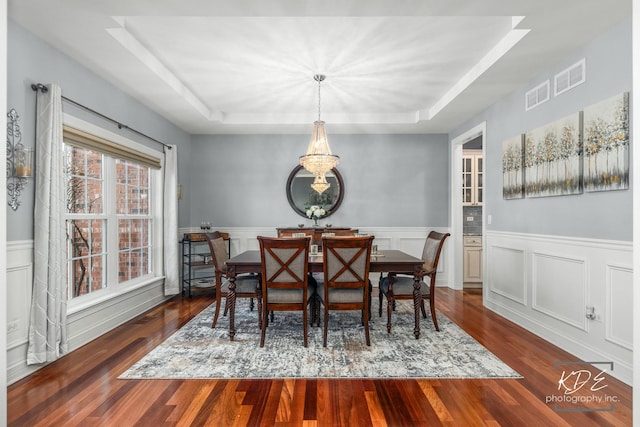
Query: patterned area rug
197	351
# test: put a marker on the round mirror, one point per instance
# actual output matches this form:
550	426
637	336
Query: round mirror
301	196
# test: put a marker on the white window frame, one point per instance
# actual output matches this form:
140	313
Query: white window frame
113	288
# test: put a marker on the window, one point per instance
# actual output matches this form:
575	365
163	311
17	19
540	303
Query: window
109	217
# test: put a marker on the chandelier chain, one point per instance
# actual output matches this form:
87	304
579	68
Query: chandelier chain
319	82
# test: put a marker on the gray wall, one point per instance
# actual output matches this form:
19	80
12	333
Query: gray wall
605	215
30	60
390	180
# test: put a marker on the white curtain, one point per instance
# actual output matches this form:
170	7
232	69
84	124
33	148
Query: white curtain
48	317
170	220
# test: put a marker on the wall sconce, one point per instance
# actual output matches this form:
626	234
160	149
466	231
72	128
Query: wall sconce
19	161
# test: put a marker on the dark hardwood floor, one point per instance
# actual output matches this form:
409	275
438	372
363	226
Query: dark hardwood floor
82	388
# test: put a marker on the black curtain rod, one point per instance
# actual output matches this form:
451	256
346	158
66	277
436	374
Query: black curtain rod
42	88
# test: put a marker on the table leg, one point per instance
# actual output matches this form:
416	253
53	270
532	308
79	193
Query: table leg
417	302
231	299
390	302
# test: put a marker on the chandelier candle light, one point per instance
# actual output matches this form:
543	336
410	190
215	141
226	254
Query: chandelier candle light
319	160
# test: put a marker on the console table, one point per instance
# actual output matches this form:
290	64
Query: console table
317	232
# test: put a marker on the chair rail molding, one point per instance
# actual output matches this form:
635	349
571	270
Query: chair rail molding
547	283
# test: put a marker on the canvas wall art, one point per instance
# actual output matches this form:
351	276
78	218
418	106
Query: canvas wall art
513	168
553	159
606	144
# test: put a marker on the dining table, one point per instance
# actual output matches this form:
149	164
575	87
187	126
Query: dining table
389	260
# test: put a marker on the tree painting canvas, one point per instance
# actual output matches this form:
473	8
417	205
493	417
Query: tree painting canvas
513	168
606	144
553	158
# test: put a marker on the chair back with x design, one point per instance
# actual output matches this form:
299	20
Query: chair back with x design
285	282
346	277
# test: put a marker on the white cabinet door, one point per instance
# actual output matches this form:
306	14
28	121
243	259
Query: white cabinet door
472	178
473	264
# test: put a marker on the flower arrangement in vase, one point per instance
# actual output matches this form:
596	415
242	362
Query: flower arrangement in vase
316	212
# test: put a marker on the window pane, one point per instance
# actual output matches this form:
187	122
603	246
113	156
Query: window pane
97	234
144	177
97	273
132	175
86	256
79	279
134	244
123	266
94	164
136	261
144	201
84	178
121	199
121	171
124	233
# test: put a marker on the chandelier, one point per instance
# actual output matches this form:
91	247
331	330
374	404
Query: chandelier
320	184
319	160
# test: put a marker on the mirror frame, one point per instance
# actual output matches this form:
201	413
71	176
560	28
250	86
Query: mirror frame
302	212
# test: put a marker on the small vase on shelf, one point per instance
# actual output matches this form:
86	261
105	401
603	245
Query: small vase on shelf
315	222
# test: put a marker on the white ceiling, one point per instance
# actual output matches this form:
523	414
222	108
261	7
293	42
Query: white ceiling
247	66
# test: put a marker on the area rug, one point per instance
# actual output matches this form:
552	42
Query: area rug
196	351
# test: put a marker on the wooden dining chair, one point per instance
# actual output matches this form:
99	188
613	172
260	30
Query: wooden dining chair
247	285
285	278
346	278
400	287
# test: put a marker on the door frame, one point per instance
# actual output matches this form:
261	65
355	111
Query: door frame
456	255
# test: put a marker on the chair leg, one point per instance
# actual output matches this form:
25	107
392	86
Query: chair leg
424	312
305	326
380	296
433	314
318	306
366	326
315	321
263	323
217	313
226	307
326	325
370	292
390	305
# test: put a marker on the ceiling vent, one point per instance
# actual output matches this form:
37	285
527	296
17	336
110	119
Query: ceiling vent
571	77
536	96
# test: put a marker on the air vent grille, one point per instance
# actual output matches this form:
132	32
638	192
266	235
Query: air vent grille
570	77
537	96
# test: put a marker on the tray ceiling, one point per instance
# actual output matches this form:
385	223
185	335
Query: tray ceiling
220	67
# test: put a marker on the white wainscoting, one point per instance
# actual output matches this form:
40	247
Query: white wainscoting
83	325
546	283
407	239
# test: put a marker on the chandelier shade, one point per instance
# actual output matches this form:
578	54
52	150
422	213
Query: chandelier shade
319	159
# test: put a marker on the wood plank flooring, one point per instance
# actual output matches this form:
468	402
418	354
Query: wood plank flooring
82	389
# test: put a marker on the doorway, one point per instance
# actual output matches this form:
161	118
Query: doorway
472	201
457	224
